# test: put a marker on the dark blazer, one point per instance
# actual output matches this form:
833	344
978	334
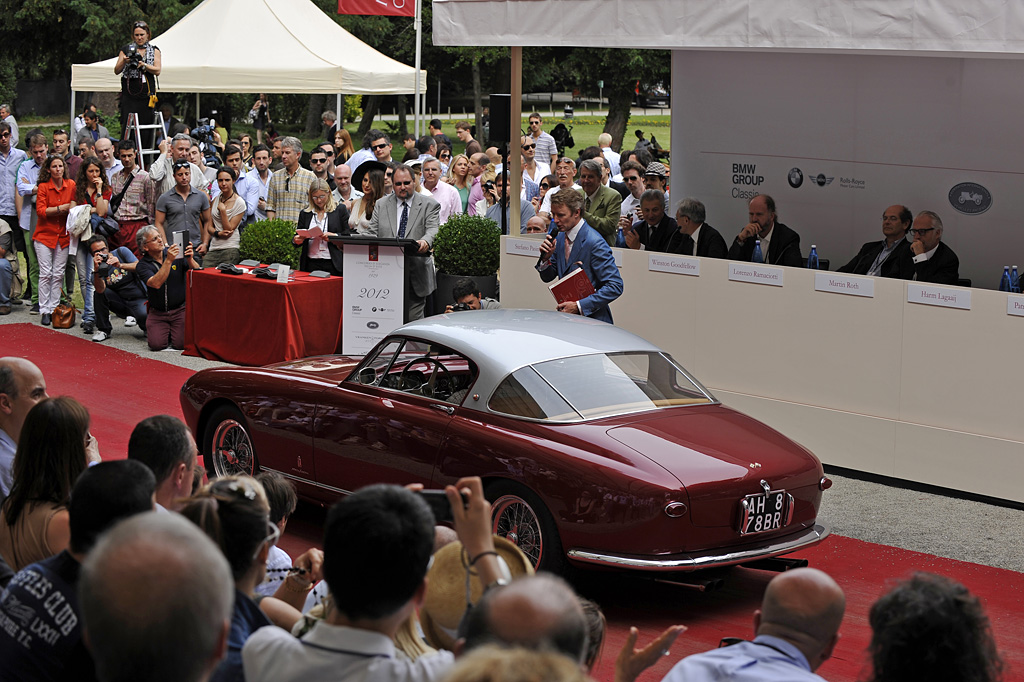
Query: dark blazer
861	263
656	237
710	243
337	223
591	252
424	213
784	248
942	268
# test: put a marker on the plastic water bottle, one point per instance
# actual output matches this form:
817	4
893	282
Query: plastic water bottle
758	256
620	240
1014	281
812	259
1004	283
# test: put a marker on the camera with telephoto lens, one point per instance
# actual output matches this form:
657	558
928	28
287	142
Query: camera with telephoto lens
133	54
461	306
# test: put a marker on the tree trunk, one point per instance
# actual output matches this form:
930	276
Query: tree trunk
314	124
403	105
478	107
620	99
369	112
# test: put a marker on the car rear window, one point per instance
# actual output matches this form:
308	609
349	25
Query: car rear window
602	384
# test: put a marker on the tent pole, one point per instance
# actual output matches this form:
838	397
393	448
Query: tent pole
419	43
515	160
197	108
71	127
340	113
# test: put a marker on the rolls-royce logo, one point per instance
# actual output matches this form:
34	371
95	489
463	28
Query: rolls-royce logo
970	198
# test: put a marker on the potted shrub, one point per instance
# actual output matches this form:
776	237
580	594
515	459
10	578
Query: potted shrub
270	241
467	246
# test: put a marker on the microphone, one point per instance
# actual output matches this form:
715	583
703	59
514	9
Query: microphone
552	233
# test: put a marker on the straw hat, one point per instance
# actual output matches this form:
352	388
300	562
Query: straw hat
445	601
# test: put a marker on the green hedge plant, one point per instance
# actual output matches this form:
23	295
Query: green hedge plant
468	246
270	241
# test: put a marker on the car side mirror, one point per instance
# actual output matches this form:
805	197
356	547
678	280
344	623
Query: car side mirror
367	375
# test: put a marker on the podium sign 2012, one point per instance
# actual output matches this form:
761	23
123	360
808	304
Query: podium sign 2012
374	296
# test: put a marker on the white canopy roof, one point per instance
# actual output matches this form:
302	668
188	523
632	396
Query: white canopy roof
293	47
961	28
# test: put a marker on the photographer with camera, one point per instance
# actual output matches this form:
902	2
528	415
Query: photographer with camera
467	297
138	63
117	288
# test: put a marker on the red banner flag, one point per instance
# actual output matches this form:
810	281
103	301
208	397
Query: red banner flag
391	8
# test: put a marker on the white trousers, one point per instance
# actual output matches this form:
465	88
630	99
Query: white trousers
51	275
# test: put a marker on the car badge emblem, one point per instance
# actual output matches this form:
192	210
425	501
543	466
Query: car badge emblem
767	488
298	463
755	465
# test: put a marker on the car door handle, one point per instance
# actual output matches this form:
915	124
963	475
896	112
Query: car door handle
444	408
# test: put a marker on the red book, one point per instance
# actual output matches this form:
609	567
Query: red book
573	287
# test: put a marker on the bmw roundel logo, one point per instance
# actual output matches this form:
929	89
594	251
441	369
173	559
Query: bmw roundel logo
372	325
796	177
970	198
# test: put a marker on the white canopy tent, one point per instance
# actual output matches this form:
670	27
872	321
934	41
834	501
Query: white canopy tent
296	49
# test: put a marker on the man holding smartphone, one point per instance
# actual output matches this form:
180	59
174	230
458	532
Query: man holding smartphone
184	208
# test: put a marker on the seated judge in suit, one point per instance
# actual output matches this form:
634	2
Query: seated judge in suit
883	258
578	245
600	204
779	244
407	214
656	229
928	259
331	218
696	237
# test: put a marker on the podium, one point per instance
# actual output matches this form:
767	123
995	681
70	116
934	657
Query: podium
375	286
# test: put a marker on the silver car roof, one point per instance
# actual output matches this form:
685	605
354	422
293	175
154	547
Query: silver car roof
502	341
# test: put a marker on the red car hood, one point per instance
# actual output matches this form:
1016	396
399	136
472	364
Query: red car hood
333	368
720	455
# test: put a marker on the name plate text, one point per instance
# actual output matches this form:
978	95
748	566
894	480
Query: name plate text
945	297
677	265
1015	305
756	274
517	246
843	284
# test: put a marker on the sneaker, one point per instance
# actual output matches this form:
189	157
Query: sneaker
88	327
16	301
100	336
34	310
5	310
46	320
130	321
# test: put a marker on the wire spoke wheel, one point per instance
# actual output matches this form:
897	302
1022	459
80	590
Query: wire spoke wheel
232	450
516	521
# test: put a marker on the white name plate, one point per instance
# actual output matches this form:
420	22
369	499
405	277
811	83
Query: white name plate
1015	305
842	284
756	274
617	253
677	265
517	246
944	297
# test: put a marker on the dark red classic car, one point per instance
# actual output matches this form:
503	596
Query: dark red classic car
595	446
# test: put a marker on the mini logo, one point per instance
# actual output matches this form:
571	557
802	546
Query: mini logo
372	325
821	180
796	177
970	198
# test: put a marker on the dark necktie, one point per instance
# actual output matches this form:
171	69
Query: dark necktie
688	245
404	221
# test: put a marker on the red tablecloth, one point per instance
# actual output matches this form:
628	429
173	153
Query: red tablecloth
250	321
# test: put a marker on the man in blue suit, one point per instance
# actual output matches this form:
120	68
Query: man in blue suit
578	245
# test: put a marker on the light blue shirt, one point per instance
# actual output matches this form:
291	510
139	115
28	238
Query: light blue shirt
28	176
876	267
766	659
9	165
7	448
260	189
360	156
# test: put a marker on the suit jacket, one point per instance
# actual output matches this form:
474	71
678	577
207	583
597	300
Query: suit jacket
423	222
942	268
603	215
657	237
592	253
337	223
862	262
710	243
783	249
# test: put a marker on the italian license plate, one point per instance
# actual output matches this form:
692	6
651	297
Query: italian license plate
764	512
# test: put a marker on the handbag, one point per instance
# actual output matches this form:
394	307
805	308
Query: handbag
63	316
105	227
115	201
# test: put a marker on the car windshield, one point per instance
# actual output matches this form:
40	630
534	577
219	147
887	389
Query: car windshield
418	368
594	386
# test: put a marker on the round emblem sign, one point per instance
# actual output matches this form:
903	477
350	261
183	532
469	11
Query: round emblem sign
796	177
970	198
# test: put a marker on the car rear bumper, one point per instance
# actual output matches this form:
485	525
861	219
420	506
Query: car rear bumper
689	562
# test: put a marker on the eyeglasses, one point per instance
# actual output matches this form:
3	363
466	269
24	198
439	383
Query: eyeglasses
400	183
529	146
545	185
318	160
157	238
922	231
375	147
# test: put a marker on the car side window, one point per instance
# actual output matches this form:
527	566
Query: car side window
423	369
525	394
375	369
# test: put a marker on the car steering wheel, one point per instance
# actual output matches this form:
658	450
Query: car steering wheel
431	381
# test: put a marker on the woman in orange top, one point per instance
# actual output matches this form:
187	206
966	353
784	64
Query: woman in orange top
55	200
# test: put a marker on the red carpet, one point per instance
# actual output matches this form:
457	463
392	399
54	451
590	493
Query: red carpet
120	389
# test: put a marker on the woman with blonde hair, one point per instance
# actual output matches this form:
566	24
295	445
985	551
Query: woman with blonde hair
458	176
322	219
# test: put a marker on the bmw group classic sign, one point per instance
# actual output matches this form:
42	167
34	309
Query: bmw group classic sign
970	198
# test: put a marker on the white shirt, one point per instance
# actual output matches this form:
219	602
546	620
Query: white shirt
262	189
335	652
545	206
541	170
695	236
7	449
318	245
114	169
927	255
629	205
765	240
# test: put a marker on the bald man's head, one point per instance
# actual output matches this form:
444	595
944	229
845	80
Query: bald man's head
21	386
805	607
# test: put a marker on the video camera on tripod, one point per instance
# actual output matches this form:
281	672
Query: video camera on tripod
203	132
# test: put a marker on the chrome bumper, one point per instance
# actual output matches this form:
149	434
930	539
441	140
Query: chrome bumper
687	562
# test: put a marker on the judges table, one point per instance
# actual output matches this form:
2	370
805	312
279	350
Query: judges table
245	320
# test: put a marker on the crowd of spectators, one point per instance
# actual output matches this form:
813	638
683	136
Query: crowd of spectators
141	569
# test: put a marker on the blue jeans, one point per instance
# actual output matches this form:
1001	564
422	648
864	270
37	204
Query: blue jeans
6	277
